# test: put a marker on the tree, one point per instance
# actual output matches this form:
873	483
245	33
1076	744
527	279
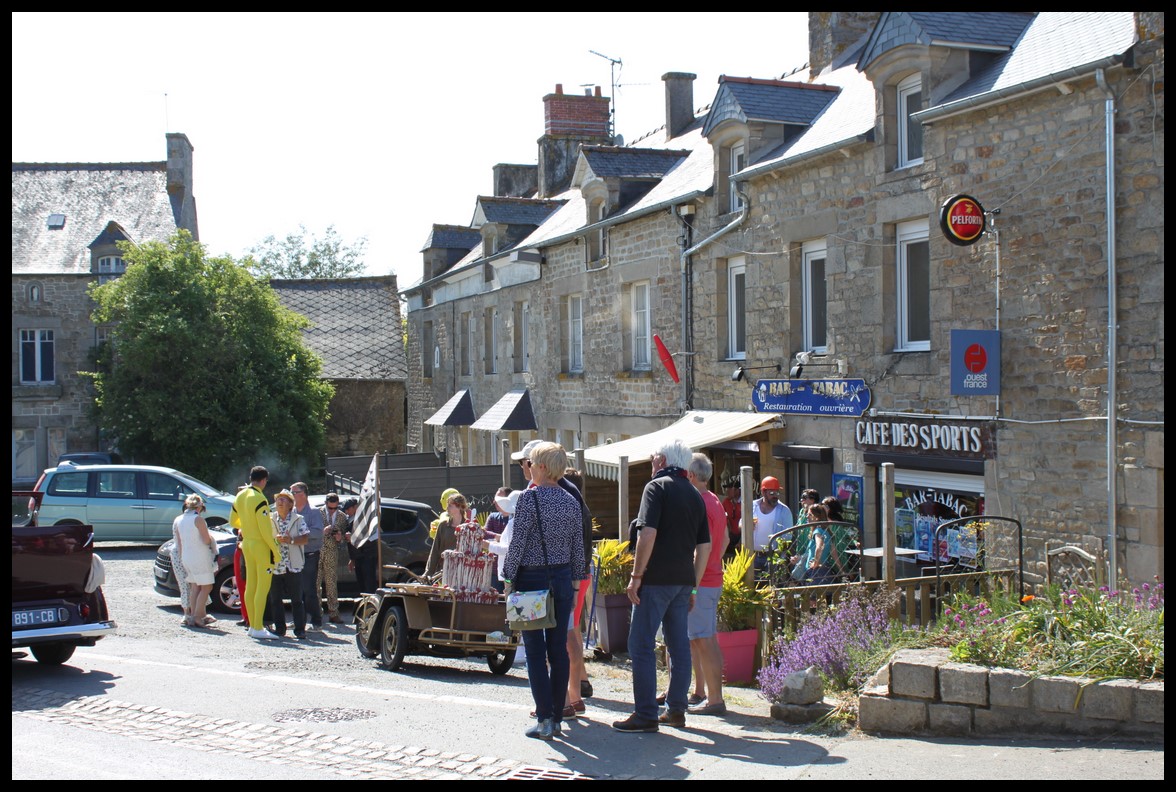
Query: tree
205	370
292	257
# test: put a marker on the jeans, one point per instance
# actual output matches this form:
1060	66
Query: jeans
310	595
287	587
549	688
669	607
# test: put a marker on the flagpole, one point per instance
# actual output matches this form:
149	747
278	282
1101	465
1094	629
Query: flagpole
379	513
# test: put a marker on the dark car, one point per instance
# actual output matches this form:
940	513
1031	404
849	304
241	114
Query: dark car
404	532
57	601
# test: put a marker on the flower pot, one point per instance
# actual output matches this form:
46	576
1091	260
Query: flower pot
613	612
738	649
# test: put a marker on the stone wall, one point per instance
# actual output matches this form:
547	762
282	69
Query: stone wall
922	691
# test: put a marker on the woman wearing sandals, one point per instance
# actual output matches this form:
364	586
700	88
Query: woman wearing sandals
546	546
197	551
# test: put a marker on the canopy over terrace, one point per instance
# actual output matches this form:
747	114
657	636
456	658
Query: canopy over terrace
699	429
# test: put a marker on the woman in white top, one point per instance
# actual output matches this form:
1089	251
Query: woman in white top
198	555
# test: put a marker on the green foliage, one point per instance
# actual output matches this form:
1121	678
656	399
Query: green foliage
616	562
324	257
205	370
740	602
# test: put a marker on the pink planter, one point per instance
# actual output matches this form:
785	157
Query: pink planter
738	649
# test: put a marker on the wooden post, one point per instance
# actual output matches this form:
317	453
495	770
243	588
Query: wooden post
622	498
889	535
578	454
746	486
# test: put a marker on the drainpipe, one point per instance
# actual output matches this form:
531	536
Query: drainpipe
687	252
1112	344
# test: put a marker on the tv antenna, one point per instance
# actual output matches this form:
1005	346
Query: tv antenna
613	63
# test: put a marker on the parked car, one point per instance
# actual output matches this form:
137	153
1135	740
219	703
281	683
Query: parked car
404	532
124	502
57	601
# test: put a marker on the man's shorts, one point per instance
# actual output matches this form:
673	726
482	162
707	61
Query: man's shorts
703	619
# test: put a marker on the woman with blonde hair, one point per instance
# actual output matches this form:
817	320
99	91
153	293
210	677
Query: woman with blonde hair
197	551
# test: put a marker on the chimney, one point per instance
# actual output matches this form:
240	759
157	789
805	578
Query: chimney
569	122
679	102
179	182
515	181
833	32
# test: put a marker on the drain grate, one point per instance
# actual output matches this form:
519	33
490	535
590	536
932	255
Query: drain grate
323	715
545	774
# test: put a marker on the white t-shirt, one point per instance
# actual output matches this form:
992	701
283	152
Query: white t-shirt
769	523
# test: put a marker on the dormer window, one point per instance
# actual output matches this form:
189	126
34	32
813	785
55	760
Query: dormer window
56	222
597	247
736	161
910	131
110	267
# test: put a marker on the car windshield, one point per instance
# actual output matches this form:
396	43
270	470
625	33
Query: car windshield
198	485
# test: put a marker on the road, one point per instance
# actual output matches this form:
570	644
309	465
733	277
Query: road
161	701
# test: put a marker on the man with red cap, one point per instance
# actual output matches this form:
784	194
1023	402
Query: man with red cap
770	515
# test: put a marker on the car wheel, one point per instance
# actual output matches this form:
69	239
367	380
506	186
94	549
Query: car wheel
394	638
500	662
225	597
53	653
365	622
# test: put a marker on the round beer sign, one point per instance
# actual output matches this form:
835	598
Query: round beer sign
962	219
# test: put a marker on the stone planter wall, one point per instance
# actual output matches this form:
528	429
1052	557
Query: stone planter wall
923	691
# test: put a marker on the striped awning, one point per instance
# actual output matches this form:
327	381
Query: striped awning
699	429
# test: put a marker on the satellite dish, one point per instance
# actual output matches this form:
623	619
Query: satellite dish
618	140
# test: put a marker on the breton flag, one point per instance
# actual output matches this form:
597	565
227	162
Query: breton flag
366	524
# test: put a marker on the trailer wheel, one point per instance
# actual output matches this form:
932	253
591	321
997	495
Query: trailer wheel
365	624
500	662
394	638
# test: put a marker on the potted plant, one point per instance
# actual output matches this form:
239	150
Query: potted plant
740	605
614	563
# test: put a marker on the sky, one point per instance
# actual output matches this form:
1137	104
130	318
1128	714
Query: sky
379	124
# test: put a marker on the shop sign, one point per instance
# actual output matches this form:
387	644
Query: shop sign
975	362
956	439
961	219
844	398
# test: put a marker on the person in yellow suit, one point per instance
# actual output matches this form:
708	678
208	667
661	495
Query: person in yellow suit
250	516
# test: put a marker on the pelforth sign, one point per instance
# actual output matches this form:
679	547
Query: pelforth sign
840	398
962	219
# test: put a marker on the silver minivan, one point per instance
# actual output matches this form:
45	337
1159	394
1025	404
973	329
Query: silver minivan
124	502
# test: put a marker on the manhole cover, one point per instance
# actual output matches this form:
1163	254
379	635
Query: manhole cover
323	715
545	774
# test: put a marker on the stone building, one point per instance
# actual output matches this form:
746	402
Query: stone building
789	245
356	330
67	219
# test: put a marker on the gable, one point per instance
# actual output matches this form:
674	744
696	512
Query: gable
992	31
770	101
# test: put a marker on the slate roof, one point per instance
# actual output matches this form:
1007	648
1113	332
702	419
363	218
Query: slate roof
452	237
631	163
513	211
944	28
355	325
134	195
774	101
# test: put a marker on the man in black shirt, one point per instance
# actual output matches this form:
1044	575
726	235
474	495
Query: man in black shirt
671	541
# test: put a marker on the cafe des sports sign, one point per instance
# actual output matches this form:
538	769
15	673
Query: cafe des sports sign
960	439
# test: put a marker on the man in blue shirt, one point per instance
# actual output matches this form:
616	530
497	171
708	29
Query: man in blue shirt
314	523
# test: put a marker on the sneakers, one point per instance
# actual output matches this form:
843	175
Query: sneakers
635	724
673	718
263	635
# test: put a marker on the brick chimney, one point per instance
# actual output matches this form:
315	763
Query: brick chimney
569	121
679	102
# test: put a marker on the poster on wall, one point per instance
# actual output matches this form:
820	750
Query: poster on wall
848	490
920	510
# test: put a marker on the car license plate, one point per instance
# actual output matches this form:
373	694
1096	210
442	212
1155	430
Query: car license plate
36	617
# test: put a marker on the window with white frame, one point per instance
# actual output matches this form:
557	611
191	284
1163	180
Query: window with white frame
813	306
110	267
490	336
910	131
36	356
465	335
737	159
575	347
597	247
736	308
24	453
914	286
522	320
640	329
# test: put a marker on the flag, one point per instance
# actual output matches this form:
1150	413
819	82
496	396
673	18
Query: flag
366	524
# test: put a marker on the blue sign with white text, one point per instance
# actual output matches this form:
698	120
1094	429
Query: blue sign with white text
844	398
975	362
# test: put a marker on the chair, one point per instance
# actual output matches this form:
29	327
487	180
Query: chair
1073	566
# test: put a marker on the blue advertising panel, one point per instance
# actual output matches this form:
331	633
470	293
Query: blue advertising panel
845	398
975	362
